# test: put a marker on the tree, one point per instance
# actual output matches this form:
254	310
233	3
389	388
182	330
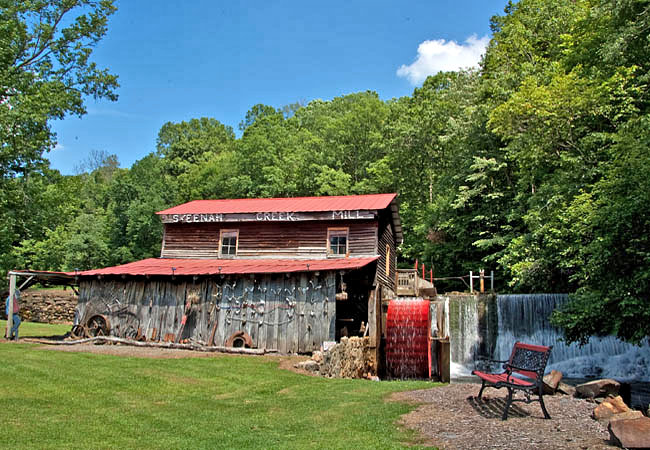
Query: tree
609	235
185	144
256	112
134	196
45	73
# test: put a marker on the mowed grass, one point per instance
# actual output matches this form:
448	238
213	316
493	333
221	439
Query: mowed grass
33	329
53	399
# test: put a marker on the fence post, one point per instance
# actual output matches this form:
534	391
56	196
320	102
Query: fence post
12	291
471	282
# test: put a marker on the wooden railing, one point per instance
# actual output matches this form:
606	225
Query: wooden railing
409	284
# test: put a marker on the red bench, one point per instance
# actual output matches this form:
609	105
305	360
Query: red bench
526	360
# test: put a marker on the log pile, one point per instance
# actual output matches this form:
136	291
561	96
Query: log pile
48	306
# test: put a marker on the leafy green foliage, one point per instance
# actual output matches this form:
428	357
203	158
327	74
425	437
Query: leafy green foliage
45	70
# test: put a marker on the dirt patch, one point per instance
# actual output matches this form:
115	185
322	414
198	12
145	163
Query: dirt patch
284	362
288	363
128	351
451	417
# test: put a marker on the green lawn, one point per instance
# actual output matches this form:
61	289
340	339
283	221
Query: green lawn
32	329
52	399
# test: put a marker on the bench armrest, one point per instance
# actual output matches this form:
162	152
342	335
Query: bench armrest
510	368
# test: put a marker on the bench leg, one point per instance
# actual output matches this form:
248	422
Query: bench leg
482	387
508	403
541	401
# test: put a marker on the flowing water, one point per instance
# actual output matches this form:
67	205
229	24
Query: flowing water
488	327
408	325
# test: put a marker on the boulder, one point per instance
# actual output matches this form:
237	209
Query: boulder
598	388
630	433
551	381
609	407
566	389
631	414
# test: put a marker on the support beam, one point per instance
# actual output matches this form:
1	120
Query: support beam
10	316
25	282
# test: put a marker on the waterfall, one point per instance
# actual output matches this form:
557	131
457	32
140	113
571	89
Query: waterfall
464	337
526	318
486	326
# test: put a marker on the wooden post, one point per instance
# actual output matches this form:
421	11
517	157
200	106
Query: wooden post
482	280
492	280
471	282
12	291
444	360
416	284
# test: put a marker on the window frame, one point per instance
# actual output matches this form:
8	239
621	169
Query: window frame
228	233
338	231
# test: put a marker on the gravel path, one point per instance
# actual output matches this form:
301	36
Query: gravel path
453	418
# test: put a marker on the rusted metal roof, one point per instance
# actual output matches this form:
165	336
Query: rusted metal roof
183	267
295	204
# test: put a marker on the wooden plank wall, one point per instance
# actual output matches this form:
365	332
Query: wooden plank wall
270	240
387	237
293	314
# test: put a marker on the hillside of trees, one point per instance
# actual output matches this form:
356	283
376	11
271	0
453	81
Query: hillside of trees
536	165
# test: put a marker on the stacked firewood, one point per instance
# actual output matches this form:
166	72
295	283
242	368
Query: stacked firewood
48	306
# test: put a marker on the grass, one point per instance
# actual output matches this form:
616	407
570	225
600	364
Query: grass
33	329
52	399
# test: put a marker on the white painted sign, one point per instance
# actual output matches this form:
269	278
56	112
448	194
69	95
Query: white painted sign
268	216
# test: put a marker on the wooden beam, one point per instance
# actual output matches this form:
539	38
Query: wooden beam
10	315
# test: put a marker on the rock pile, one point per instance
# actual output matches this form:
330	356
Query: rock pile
350	358
627	428
48	306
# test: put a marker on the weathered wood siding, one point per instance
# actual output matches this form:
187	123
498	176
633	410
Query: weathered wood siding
267	240
387	239
290	314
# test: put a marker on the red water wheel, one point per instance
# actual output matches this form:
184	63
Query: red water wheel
408	349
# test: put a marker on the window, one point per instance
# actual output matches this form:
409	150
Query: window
337	241
228	243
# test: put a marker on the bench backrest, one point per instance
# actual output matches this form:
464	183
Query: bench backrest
530	360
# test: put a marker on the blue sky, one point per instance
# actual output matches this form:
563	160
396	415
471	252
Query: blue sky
182	60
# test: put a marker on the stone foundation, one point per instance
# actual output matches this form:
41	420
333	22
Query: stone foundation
47	306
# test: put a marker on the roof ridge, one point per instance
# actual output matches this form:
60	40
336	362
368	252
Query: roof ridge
288	198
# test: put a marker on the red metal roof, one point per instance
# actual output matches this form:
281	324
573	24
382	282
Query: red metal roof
295	204
163	266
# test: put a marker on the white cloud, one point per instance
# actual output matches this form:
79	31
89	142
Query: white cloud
440	55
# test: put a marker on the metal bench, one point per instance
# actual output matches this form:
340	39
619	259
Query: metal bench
527	360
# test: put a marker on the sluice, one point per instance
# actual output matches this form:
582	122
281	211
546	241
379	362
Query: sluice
408	349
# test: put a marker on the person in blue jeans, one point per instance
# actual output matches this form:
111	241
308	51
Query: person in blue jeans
13	335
